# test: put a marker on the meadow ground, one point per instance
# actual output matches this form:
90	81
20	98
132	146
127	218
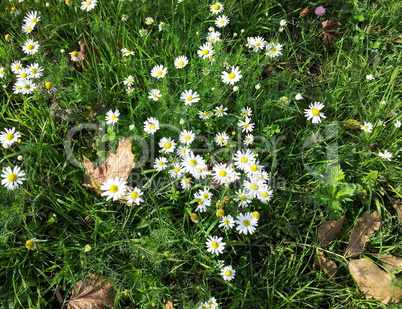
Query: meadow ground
250	123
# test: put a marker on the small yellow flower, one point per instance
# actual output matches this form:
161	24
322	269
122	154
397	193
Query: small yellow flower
30	244
87	248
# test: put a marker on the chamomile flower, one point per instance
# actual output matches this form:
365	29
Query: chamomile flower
273	50
88	5
246	125
185	183
242	198
381	123
227	222
222	139
265	194
246	223
243	159
385	155
154	94
14	11
216	8
253	187
113	188
298	97
203	115
193	164
1	72
124	17
129	80
22	75
143	32
69	2
215	245
87	248
313	112
205	71
233	77
249	139
180	62
189	97
16	66
222	21
12	178
75	56
367	127
31	244
158	71
176	171
213	37
211	303
160	164
162	26
28	86
30	47
149	21
258	43
224	174
186	137
228	273
369	77
126	52
130	90
17	88
27	28
133	196
397	124
246	111
151	125
34	70
183	151
205	51
167	144
31	18
220	111
112	117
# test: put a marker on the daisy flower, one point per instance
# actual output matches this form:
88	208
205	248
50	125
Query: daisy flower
88	5
203	115
243	159
75	56
189	97
233	77
211	303
227	222
183	150
381	123
213	37
129	80
249	139
185	183
273	50
162	26
158	71
143	32
397	124
112	117
265	195
16	66
313	112
369	77
242	198
151	125
216	8
30	47
12	178
133	196
202	203
245	125
221	21
130	90
113	188
34	70
186	137
246	223
167	144
27	28
180	62
221	139
124	17
69	2
205	51
205	71
149	21
126	52
298	97
14	11
224	174
367	127
246	111
220	111
154	94
17	88
176	171
193	164
87	248
1	72
22	75
385	155
253	187
215	245
28	86
228	273
258	43
31	18
160	164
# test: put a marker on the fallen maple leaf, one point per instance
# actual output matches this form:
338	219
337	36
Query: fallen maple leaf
93	292
328	231
327	265
366	225
329	31
374	282
119	165
391	263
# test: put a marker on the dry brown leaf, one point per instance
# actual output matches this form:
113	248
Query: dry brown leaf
351	124
169	304
119	164
391	263
329	31
93	292
329	230
398	208
305	12
86	53
328	266
366	225
374	282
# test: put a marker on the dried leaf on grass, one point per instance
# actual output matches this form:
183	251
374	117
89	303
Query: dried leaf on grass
398	208
169	304
328	266
86	53
119	164
391	263
374	282
329	31
329	230
366	225
93	292
350	124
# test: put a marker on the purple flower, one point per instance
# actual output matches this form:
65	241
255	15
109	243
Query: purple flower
319	10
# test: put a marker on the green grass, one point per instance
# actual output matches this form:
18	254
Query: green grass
154	252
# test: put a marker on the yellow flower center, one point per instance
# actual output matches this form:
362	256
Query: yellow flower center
231	76
253	167
134	195
155	95
29	244
221	139
149	21
254	186
168	145
315	111
159	73
181	63
30	46
33	20
113	188
190	98
255	214
34	71
187	137
205	52
226	222
123	16
183	150
17	67
74	54
160	163
29	28
193	162
13	9
205	114
216	7
176	169
222	173
222	21
258	44
220	212
273	50
152	126
228	273
27	87
48	85
193	216
214	245
88	3
244	160
186	180
264	194
9	136
12	177
246	222
206	195
242	198
113	117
